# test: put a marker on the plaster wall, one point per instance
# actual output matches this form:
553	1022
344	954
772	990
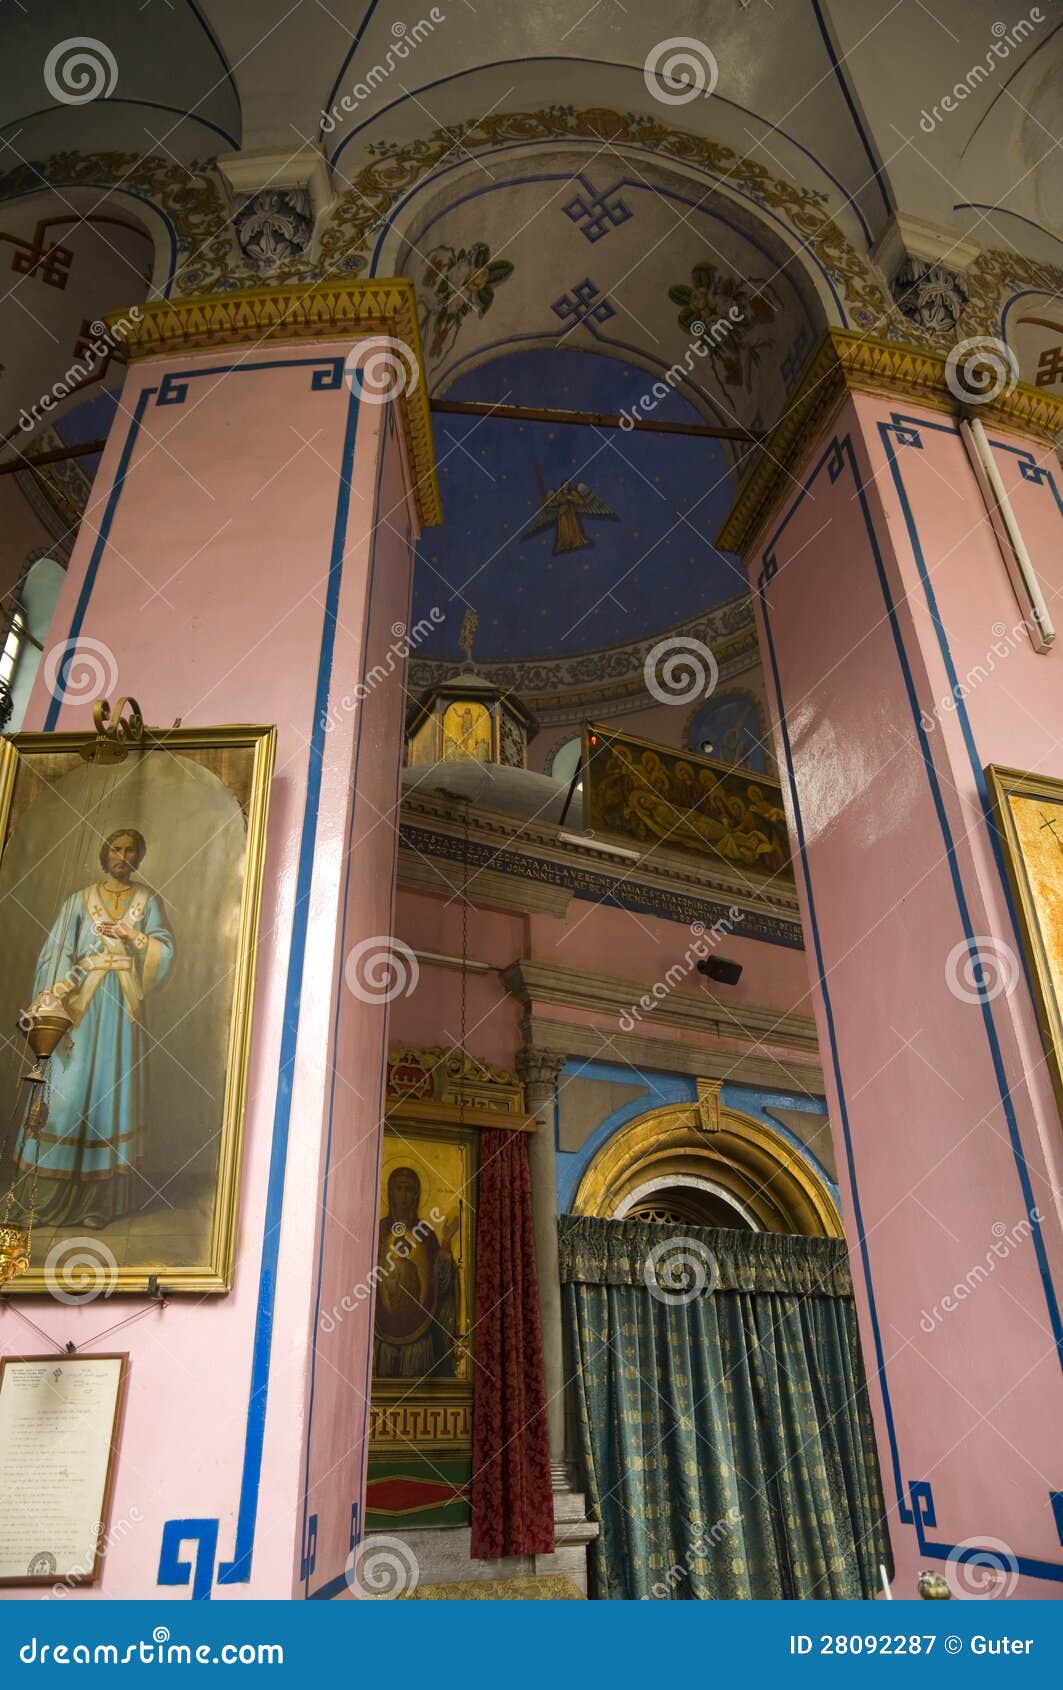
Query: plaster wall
944	1130
224	576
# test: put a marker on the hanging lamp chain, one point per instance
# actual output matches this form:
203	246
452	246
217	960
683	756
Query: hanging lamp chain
464	955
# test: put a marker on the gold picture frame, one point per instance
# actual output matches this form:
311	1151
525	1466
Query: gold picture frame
431	1410
84	1425
163	1212
1028	810
655	795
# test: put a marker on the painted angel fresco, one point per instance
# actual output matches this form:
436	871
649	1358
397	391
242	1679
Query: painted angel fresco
565	508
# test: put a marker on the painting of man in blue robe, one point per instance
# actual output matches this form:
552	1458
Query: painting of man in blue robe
110	947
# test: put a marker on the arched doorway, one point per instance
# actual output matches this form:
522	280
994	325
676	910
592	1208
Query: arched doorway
707	1166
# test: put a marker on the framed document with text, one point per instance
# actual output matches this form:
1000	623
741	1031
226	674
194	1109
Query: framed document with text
60	1419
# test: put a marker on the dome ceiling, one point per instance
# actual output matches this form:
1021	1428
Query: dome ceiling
566	539
574	227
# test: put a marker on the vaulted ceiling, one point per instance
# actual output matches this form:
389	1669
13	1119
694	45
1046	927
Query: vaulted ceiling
834	93
573	189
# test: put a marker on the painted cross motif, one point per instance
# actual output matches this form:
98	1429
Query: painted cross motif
584	301
1051	823
1050	366
49	264
598	213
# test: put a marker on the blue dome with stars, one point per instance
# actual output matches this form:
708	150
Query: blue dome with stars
567	538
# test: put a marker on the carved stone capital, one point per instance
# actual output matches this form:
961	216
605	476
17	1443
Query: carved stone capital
249	173
539	1071
932	296
907	238
272	225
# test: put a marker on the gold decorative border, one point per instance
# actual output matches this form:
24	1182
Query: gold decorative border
308	311
738	1153
1004	783
541	1587
447	1076
851	363
215	1272
420	1135
563	692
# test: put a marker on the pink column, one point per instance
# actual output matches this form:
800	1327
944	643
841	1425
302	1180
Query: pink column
248	558
898	668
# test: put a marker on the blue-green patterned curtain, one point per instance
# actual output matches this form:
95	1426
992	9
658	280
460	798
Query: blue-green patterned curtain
723	1418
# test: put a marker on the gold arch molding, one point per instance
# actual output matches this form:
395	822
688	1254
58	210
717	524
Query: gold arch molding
733	1152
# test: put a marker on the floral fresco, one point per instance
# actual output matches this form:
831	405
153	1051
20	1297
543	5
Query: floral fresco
722	311
458	281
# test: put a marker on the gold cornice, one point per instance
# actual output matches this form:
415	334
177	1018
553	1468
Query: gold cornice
852	363
349	310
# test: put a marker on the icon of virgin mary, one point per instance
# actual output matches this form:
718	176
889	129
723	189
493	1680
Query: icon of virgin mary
416	1288
109	948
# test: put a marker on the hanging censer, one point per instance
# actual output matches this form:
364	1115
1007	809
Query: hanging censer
43	1030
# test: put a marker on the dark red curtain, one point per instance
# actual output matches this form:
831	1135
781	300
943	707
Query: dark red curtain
512	1490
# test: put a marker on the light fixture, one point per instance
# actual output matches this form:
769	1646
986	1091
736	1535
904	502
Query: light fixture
719	969
467	718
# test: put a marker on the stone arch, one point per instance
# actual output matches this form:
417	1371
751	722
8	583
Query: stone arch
730	1153
183	211
71	258
25	619
384	189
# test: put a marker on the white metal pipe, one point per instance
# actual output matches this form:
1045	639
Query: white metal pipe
594	844
1009	535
